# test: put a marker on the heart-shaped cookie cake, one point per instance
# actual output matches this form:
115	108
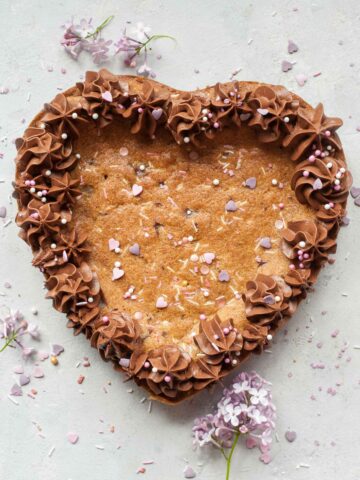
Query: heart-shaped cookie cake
182	249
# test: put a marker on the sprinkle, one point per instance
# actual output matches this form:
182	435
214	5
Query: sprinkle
72	437
265	242
189	472
231	206
135	249
80	379
274	182
216	182
13	400
95	116
301	79
156	113
107	96
209	257
2	212
113	244
16	390
250	183
54	360
56	349
223	276
292	47
290	436
99	447
286	66
263	111
136	190
24	380
51	451
117	273
317	185
161	302
38	372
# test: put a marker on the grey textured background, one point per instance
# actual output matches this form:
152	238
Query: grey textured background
215	38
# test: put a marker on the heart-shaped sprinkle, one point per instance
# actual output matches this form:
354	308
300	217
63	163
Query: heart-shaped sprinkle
124	362
292	47
117	273
209	257
357	202
263	111
290	436
56	349
135	249
301	79
286	66
231	206
161	303
355	192
156	113
15	390
189	472
113	244
24	380
38	372
269	299
265	242
317	185
18	369
136	190
250	183
107	96
224	276
2	212
43	356
72	437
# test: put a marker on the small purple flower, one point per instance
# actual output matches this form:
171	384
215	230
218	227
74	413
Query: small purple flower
13	327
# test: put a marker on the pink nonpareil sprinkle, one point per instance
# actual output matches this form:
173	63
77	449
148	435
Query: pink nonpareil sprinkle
335	333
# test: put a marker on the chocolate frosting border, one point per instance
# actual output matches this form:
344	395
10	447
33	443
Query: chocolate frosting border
46	194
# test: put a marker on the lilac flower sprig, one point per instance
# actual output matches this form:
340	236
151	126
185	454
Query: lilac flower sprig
133	48
12	328
246	409
84	36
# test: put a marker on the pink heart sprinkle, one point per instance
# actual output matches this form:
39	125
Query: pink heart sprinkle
209	257
56	349
317	185
290	436
136	190
117	273
107	96
156	113
161	303
72	437
292	47
16	391
38	372
43	356
123	151
286	66
24	380
301	79
263	111
113	244
18	369
135	249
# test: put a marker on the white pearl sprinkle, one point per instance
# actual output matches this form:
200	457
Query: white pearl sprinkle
117	264
43	199
274	181
42	125
142	167
329	165
63	221
117	250
64	136
32	190
234	362
90	299
48	173
39	194
78	156
53	245
205	119
302	244
74	115
342	170
186	139
286	119
194	257
327	206
216	182
205	111
154	370
329	147
269	337
277	298
190	238
338	175
337	182
95	116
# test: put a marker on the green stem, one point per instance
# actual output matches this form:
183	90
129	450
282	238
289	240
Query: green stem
151	39
228	461
100	27
8	341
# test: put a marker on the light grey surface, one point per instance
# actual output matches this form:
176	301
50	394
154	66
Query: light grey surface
216	38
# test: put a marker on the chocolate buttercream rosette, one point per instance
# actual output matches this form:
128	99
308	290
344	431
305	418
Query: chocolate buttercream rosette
47	190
